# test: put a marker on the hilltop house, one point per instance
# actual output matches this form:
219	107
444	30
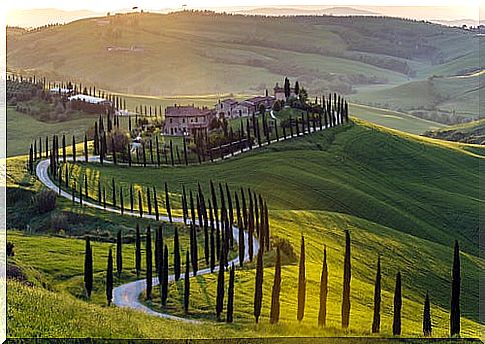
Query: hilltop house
230	108
186	120
279	92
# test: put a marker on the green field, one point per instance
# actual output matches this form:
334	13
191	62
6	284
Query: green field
400	195
471	132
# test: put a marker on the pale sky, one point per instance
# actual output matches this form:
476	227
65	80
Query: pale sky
101	6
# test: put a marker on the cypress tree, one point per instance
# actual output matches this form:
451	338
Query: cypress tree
193	249
275	294
113	150
73	148
113	190
396	323
214	205
167	203
301	282
187	283
230	296
258	289
376	323
176	255
137	251
455	293
242	248
165	276
158	150
220	288
346	283
64	155
212	249
119	257
171	153
184	205
322	313
149	201
155	204
149	264
185	153
88	268
109	278
427	327
140	204
131	198
85	148
159	251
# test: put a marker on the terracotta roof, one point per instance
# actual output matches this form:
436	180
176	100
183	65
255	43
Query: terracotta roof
186	110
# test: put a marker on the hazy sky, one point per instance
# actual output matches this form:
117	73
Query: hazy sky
96	5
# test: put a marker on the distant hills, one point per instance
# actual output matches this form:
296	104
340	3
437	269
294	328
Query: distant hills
293	11
39	17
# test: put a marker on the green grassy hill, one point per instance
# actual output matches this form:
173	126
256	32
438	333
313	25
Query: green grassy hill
188	53
401	196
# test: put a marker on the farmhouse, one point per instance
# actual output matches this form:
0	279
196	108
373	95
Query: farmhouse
230	108
90	104
186	120
279	92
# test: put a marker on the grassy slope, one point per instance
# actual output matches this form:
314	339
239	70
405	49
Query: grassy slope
188	53
471	132
347	176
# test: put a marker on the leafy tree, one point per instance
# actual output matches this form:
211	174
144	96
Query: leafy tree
376	323
176	255
455	293
346	283
149	264
427	327
230	296
88	268
187	283
322	313
258	289
396	323
301	282
109	278
275	295
137	251
119	250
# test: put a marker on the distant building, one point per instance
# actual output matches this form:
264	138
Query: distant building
279	92
231	109
186	120
60	90
90	104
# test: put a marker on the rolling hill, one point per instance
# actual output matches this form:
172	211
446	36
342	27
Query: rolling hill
402	196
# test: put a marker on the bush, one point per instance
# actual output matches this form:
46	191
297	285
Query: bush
287	253
59	221
45	201
10	252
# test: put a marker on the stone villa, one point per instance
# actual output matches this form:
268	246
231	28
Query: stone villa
186	120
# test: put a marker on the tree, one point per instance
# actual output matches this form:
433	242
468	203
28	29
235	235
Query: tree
274	315
159	251
297	88
187	283
396	323
346	283
220	287
140	203
149	264
287	88
301	282
113	190
322	313
427	327
164	281
109	278
176	255
455	293
193	249
119	257
258	289
376	323
73	148
230	296
137	251
88	268
167	203
85	148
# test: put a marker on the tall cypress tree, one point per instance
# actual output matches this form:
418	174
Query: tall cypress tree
274	315
109	278
85	148
176	255
212	260
322	313
149	267
187	283
167	203
140	203
73	148
113	190
193	249
455	293
165	276
230	296
376	323
346	283
64	155
258	289
427	327
88	268
131	198
159	251
155	204
119	250
396	323
301	282
137	251
220	288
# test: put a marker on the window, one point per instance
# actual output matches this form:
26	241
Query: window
196	119
171	120
183	120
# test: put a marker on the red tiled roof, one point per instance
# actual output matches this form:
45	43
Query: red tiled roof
186	110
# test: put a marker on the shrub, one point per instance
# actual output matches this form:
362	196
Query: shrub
59	221
10	252
286	250
45	201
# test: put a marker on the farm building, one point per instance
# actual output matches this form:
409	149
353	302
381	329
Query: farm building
90	104
60	90
279	92
230	108
186	120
